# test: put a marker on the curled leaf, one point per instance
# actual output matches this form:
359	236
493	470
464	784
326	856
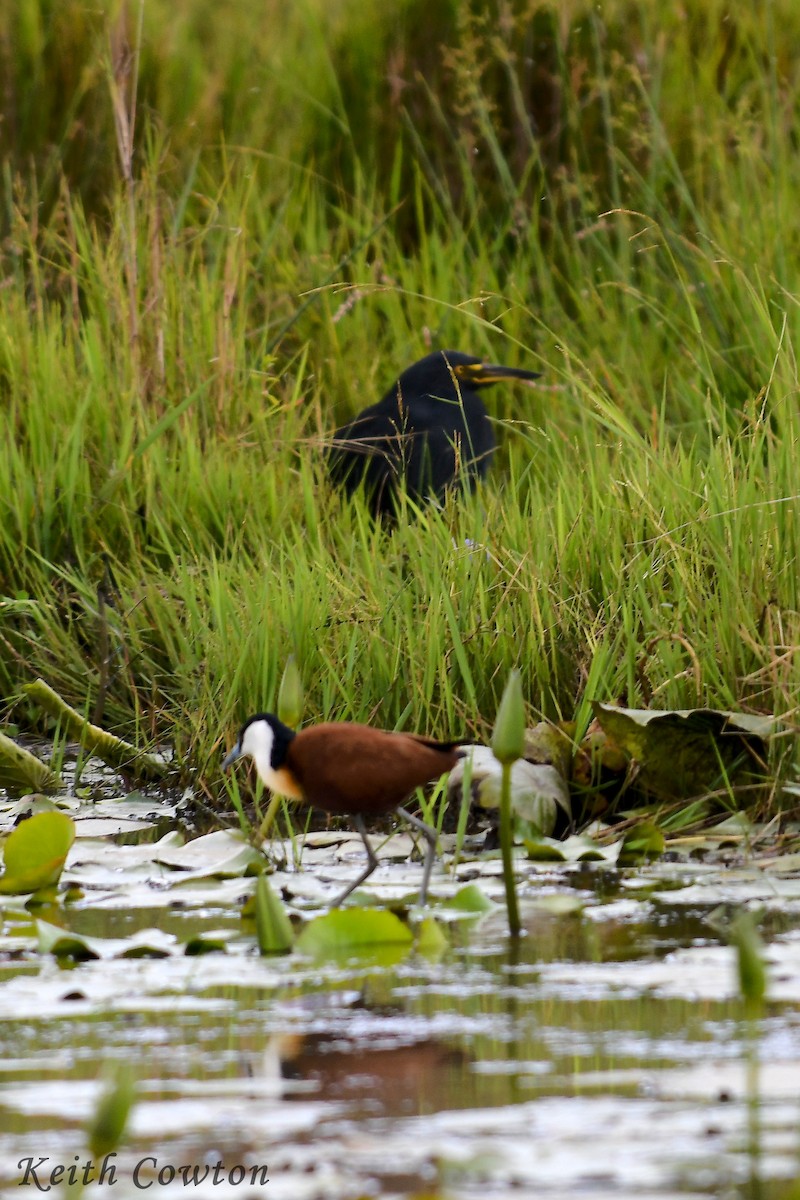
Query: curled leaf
688	752
750	961
538	790
35	853
107	1126
21	771
112	750
273	927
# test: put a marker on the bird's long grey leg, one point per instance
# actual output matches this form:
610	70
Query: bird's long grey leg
431	838
372	862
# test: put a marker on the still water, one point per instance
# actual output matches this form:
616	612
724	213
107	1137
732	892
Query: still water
602	1054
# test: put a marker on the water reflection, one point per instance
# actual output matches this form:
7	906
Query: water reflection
475	1072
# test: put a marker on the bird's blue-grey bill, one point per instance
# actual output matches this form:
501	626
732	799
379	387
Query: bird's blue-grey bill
231	758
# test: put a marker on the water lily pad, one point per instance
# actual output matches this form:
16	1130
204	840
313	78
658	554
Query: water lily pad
29	805
149	943
35	853
225	853
353	929
557	904
469	900
643	842
733	829
578	848
207	943
431	938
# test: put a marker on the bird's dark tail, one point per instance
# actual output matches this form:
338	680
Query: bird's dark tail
444	746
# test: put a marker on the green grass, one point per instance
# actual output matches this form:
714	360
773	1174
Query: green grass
175	348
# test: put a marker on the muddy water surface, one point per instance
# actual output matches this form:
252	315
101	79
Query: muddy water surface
602	1054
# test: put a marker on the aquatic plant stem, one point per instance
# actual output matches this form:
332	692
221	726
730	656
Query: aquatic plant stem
508	744
507	847
269	817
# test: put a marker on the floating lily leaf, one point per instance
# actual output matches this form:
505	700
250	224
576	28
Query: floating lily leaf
578	848
735	828
63	944
207	943
35	853
21	771
149	943
470	901
351	930
641	844
137	807
273	927
28	806
361	898
558	904
224	854
688	752
431	938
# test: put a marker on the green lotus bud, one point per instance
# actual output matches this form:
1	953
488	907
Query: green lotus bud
290	694
750	954
111	1115
508	739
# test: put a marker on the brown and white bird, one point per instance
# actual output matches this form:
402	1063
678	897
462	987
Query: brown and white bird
347	770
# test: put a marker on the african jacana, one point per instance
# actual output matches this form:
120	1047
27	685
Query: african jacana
349	770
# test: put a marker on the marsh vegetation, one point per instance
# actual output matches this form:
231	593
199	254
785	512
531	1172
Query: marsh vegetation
225	230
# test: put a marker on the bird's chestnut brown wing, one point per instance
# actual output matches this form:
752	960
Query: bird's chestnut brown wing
346	768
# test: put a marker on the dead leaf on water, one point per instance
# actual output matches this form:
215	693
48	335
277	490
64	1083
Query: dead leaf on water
685	753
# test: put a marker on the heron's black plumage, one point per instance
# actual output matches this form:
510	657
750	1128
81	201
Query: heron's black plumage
429	432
